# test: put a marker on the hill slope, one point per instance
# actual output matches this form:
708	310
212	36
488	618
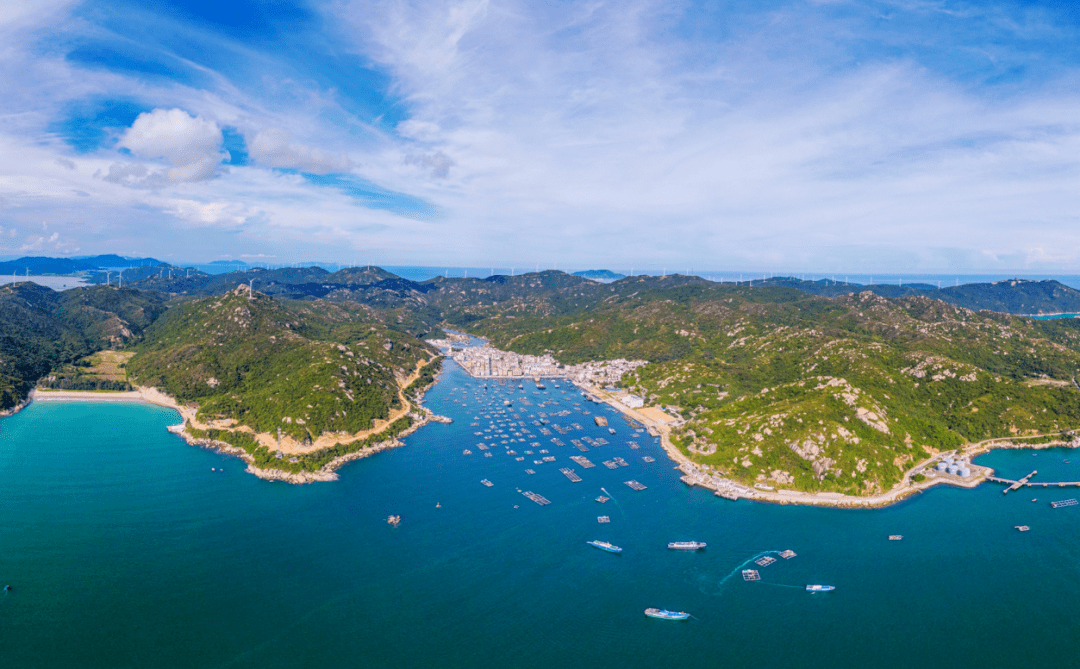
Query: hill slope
304	368
803	392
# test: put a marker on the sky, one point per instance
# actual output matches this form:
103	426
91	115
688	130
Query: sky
808	136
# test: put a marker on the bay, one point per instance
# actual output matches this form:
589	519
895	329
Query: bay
127	548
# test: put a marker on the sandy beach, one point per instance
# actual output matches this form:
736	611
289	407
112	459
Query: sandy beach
288	446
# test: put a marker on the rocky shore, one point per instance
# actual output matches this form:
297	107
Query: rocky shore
420	416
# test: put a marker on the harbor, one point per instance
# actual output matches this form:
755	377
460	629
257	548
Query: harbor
474	556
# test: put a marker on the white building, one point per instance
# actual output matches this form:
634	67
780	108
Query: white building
633	401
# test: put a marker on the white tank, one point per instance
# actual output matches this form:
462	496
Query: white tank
941	466
965	472
953	469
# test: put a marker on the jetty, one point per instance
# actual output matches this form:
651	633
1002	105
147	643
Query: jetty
1027	482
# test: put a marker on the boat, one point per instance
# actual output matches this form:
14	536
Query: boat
611	430
820	588
666	615
7	588
605	546
686	545
487	482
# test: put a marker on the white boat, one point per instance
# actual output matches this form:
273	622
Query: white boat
666	615
686	545
820	588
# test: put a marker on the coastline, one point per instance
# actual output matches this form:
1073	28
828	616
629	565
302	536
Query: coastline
419	415
696	475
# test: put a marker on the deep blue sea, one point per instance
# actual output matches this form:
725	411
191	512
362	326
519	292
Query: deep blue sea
128	548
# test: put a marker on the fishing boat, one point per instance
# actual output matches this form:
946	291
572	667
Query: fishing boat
605	546
666	615
820	588
487	482
686	545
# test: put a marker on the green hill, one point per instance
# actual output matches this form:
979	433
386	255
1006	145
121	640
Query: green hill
41	329
844	394
305	368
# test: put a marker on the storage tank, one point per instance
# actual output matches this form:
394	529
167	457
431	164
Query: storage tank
941	466
953	469
965	472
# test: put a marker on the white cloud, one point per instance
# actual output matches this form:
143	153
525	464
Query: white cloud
275	147
192	145
220	214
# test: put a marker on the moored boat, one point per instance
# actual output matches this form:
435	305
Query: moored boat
666	615
820	588
686	545
605	546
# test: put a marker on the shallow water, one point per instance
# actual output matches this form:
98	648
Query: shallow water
126	549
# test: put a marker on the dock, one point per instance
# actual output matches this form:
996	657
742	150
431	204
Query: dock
1027	483
635	485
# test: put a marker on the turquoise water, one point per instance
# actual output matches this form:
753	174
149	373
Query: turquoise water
126	549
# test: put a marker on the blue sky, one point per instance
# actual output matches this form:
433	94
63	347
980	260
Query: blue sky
782	136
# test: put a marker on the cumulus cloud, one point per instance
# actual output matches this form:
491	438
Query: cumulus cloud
192	145
217	214
275	147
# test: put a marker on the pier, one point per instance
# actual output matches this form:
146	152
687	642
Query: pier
1026	482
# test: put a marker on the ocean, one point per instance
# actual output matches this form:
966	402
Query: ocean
126	547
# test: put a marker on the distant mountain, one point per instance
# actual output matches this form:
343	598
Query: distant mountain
1014	296
38	265
600	275
112	260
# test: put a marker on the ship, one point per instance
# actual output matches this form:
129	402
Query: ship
820	588
605	546
686	545
666	615
487	482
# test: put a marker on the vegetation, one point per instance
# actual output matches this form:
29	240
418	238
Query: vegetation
777	386
43	330
305	368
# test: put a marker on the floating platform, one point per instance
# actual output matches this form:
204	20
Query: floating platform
751	575
788	554
539	499
1022	528
635	485
621	462
600	421
602	499
583	461
548	458
1062	503
603	519
530	471
764	561
896	537
649	458
610	465
570	474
